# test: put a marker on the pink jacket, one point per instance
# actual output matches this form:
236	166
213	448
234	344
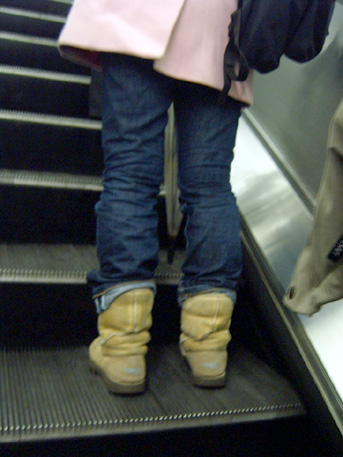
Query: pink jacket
185	38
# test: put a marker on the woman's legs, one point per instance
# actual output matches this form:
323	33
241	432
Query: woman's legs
135	104
206	133
206	136
136	100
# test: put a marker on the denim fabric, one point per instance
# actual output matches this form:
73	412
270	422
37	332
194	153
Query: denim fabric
104	299
135	104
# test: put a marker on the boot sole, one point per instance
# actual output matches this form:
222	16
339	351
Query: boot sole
218	381
205	381
116	387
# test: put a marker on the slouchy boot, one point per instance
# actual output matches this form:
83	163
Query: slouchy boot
205	322
118	354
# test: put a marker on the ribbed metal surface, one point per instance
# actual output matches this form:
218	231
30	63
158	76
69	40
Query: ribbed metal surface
43	92
32	14
30	22
52	394
50	143
45	119
54	180
23	38
36	52
50	180
44	75
64	264
59	7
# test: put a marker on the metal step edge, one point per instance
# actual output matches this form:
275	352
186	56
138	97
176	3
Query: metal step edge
159	422
28	39
44	74
48	119
32	14
65	2
29	276
62	2
32	276
63	402
63	271
50	180
55	7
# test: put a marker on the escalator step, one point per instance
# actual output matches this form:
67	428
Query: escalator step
24	178
51	280
47	394
30	23
47	215
26	199
65	264
31	141
35	52
59	7
44	263
24	89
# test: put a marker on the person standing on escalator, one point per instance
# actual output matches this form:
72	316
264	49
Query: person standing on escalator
153	54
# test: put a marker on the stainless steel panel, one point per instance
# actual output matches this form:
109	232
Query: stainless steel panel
274	213
289	122
294	105
279	223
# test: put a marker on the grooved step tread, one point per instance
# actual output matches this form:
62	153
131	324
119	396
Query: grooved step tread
59	7
65	264
44	75
54	180
35	51
51	180
49	394
49	119
39	16
27	39
34	90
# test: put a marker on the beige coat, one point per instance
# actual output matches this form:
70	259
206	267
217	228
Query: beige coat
318	276
185	38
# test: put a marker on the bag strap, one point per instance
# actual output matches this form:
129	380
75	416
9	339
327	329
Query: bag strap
234	59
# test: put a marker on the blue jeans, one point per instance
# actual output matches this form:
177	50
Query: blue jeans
135	104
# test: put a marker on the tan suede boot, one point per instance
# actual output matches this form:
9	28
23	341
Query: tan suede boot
118	354
205	322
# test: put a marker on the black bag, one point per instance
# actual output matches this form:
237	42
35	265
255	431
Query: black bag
261	31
